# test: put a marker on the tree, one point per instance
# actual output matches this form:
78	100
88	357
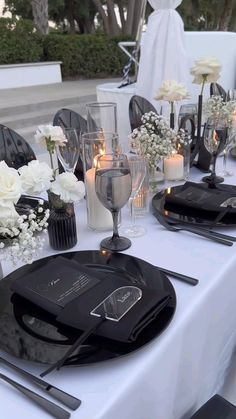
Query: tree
40	14
211	15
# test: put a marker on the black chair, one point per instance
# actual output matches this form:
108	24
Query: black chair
217	90
14	149
67	118
216	408
138	106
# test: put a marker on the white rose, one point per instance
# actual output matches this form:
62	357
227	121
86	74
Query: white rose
49	132
68	187
172	91
36	177
209	67
10	185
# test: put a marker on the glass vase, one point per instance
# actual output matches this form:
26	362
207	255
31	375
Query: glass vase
156	177
61	224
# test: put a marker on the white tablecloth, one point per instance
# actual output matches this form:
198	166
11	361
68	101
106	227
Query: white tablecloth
178	371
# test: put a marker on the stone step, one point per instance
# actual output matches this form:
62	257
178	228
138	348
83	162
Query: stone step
26	123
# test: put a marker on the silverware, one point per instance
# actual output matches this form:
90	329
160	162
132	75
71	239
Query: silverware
188	279
184	278
50	407
172	226
63	397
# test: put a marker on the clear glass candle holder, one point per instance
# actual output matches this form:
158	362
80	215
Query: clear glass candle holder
94	145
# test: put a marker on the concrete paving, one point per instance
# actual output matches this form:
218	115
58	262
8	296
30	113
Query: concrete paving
23	109
23	96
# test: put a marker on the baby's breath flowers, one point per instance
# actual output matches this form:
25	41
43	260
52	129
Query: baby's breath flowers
154	139
18	241
217	110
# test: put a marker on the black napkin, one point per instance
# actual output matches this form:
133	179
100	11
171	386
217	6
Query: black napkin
77	313
199	196
71	291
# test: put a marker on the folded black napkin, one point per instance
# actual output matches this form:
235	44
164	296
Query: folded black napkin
199	196
71	291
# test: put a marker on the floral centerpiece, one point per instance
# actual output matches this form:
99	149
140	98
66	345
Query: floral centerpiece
64	191
205	70
17	232
155	140
217	110
18	226
172	91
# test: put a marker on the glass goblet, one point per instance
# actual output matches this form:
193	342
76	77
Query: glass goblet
113	188
215	139
138	167
68	153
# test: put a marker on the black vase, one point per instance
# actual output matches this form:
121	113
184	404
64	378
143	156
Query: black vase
62	227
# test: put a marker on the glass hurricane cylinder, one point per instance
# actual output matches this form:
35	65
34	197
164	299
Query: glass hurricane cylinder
62	231
102	116
93	145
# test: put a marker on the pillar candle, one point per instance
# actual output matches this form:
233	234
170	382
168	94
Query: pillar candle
174	167
99	217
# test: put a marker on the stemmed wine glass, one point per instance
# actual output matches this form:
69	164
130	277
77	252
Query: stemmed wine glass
68	153
215	139
138	167
113	188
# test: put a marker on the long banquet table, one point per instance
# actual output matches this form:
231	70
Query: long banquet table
178	371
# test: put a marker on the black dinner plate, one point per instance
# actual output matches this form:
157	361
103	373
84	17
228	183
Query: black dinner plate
192	216
30	333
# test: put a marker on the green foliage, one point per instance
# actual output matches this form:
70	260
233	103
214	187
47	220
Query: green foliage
86	55
19	42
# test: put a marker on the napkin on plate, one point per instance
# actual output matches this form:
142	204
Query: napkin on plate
70	291
199	196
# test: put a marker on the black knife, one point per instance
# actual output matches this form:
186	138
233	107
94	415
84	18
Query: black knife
50	407
65	398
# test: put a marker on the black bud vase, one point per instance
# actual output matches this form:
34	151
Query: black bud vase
61	224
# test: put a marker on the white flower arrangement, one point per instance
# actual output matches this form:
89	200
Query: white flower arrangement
172	91
206	70
17	232
219	111
155	140
51	136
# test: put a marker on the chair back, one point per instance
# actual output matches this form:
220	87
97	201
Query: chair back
67	118
217	90
14	149
138	106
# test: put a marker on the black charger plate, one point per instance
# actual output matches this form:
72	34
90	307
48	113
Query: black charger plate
192	216
30	333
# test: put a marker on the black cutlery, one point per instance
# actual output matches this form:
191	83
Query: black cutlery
50	407
184	278
65	398
208	234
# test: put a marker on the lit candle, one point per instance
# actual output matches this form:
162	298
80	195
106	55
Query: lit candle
174	167
99	217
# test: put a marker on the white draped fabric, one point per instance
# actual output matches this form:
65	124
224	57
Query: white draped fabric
163	54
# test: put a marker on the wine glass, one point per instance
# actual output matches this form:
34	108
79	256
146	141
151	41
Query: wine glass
229	145
113	188
68	152
138	167
215	139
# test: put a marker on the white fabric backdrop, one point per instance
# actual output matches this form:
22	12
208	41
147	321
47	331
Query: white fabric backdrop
163	53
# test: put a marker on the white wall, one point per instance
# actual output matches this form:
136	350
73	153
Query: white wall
221	45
